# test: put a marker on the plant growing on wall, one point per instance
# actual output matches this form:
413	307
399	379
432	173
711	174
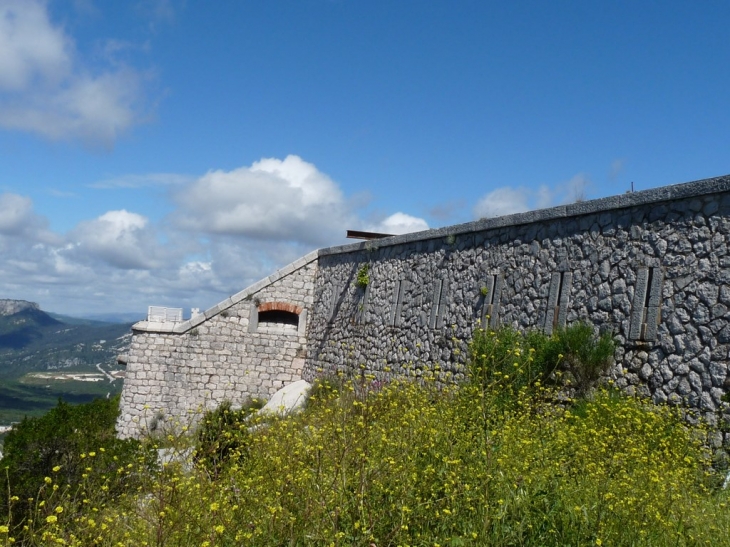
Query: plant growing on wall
363	276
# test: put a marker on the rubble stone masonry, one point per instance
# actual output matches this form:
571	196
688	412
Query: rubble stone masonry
651	267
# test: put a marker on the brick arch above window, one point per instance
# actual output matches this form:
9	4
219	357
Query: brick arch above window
280	306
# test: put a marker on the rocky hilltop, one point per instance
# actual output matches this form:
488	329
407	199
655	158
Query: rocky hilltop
11	307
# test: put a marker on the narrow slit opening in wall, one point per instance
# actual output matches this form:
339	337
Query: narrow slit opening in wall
363	306
333	302
556	309
443	304
489	300
435	303
652	305
278	317
647	296
566	284
397	302
557	306
646	309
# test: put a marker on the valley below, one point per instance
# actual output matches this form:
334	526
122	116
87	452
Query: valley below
46	357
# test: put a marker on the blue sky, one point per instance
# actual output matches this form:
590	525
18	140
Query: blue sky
162	152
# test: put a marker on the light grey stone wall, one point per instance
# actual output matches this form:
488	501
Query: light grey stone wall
176	371
651	267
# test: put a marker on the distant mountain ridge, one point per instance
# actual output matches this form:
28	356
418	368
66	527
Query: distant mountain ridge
39	353
30	339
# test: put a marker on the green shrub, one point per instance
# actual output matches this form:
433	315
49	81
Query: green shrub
506	361
581	353
222	434
56	449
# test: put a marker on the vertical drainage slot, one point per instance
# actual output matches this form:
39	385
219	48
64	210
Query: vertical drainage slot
646	308
394	306
490	308
363	305
558	299
333	302
400	290
435	303
438	308
443	303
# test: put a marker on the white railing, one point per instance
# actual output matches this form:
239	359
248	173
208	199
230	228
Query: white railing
158	314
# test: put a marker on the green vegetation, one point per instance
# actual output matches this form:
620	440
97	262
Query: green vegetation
223	434
363	276
401	463
33	397
74	445
573	357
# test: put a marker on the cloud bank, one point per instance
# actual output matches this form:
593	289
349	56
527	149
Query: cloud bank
47	89
228	229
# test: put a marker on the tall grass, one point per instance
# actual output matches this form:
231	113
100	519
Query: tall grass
407	464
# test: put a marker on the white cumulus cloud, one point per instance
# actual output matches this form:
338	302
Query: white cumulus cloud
502	201
507	200
289	200
119	238
46	89
399	223
16	213
17	219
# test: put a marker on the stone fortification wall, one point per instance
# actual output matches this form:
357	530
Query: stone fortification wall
651	267
248	346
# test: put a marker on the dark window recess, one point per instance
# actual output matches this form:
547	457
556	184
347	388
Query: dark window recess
646	309
278	317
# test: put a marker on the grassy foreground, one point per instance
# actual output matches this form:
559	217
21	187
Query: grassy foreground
369	464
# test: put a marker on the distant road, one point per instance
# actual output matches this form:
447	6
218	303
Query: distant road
105	373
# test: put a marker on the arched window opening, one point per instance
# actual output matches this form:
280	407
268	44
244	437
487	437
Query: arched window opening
278	317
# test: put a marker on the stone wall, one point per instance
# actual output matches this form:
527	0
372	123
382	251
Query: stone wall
176	371
651	267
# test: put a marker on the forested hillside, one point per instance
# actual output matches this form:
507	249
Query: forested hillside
43	358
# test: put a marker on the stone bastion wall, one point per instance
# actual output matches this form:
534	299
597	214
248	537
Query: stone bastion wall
650	267
248	346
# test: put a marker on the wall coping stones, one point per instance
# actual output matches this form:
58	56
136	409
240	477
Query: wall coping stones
611	203
180	328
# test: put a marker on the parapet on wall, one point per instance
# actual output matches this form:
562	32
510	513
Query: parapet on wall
651	267
248	346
